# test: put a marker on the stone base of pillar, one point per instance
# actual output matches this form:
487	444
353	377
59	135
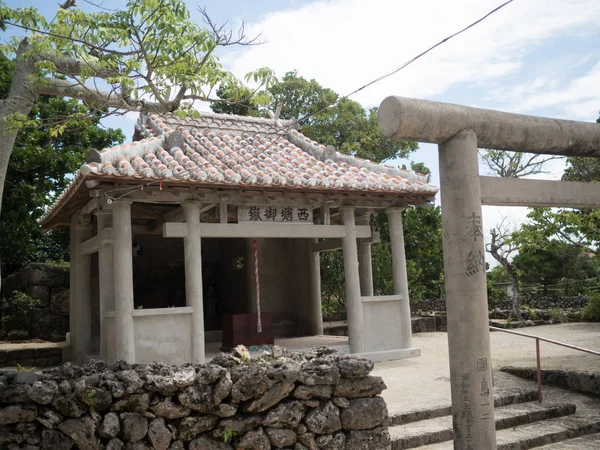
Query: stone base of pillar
391	355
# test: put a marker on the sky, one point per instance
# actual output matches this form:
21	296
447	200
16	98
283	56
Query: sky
539	57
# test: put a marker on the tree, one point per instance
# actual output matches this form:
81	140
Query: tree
559	264
496	274
501	246
39	168
424	254
515	164
148	57
323	116
345	125
582	169
554	245
240	101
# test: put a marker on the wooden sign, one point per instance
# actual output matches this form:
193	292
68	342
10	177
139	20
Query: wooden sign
275	214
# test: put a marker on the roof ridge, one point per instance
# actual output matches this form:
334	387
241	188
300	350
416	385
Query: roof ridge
112	155
322	153
234	117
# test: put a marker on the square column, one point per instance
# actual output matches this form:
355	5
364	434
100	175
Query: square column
353	298
193	277
316	310
365	267
80	319
466	294
106	275
365	263
123	281
400	276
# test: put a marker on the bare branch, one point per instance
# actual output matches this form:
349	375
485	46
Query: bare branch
515	164
224	36
98	5
500	248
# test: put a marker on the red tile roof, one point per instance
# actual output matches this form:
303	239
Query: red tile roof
238	150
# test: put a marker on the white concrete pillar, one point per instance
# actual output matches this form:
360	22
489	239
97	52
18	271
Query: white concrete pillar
80	319
365	268
193	277
123	276
316	310
353	298
365	264
400	276
106	275
466	294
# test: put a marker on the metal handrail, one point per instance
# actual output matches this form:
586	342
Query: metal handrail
537	351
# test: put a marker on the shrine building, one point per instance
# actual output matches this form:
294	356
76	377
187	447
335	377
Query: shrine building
199	222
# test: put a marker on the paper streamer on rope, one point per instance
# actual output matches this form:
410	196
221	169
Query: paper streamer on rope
257	282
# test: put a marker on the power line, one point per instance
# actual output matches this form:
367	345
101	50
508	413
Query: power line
405	64
420	55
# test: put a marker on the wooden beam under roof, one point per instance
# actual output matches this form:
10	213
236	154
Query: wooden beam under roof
266	230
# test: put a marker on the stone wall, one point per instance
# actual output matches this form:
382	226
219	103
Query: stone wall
584	382
428	305
31	357
49	284
421	324
535	302
318	400
551	302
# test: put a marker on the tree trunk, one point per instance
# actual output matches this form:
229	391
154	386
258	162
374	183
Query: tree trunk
516	293
20	100
514	280
512	273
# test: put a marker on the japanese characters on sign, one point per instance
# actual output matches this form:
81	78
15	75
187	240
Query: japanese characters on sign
275	214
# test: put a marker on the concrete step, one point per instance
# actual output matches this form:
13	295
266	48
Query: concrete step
589	442
538	433
438	430
501	398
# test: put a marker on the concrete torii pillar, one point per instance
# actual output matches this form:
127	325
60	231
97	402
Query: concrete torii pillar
459	131
123	275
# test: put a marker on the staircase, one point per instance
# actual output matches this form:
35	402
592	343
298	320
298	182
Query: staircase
564	420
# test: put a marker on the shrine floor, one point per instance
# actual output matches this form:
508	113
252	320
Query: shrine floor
296	344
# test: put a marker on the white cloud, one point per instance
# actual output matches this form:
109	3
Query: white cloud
346	43
580	97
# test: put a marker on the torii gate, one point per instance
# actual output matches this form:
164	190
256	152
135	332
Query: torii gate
459	131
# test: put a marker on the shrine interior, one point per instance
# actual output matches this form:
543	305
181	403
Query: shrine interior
227	277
